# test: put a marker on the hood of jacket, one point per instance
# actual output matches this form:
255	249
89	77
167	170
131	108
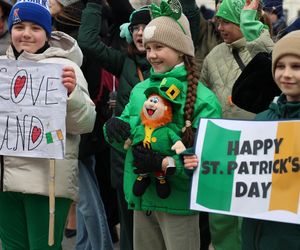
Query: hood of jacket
284	109
61	45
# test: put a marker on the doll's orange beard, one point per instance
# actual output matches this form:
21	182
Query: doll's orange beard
161	121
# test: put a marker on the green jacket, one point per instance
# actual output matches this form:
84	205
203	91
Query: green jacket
280	109
206	105
263	234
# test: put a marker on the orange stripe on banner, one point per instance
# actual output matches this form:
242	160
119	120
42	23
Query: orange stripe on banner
286	186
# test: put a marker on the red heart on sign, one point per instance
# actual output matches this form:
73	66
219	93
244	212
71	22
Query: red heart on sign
19	84
36	132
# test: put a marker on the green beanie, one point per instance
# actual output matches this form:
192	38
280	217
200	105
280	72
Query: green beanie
230	10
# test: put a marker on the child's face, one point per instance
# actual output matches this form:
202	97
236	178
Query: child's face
137	36
287	76
161	57
28	36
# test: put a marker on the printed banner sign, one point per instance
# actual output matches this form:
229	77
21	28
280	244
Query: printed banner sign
32	109
248	168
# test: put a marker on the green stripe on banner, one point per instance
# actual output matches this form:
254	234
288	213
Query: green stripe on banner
215	189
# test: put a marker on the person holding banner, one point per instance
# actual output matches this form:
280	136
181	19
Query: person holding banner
164	223
24	182
240	23
262	234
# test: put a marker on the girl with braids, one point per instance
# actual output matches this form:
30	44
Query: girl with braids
164	223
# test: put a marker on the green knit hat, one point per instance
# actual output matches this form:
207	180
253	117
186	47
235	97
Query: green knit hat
230	10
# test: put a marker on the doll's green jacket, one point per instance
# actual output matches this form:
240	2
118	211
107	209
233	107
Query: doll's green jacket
162	138
206	105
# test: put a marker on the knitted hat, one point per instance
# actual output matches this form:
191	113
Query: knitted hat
66	3
169	30
288	45
230	10
170	89
139	16
36	11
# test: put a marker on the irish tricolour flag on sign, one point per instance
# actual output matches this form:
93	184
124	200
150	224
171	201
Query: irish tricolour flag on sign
248	168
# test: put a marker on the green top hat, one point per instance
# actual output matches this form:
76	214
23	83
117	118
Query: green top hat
170	89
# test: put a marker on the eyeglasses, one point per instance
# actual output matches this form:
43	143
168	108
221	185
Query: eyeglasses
137	28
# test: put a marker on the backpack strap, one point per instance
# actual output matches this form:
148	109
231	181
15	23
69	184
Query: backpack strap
238	59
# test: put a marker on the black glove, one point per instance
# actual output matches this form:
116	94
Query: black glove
116	129
146	160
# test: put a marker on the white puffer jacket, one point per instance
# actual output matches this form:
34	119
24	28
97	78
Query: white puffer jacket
31	175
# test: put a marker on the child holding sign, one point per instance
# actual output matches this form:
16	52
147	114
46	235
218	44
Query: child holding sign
260	234
24	205
263	234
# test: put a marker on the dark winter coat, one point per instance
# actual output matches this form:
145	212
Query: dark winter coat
263	234
114	61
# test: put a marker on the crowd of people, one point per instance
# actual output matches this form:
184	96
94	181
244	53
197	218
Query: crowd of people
122	62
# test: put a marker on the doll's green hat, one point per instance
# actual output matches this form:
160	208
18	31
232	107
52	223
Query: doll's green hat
170	89
230	10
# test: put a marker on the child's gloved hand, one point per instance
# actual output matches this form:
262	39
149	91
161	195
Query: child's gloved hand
146	160
117	130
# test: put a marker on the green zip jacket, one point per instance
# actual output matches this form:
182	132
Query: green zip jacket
206	105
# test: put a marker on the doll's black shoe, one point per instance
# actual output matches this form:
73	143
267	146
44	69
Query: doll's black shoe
140	185
163	189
